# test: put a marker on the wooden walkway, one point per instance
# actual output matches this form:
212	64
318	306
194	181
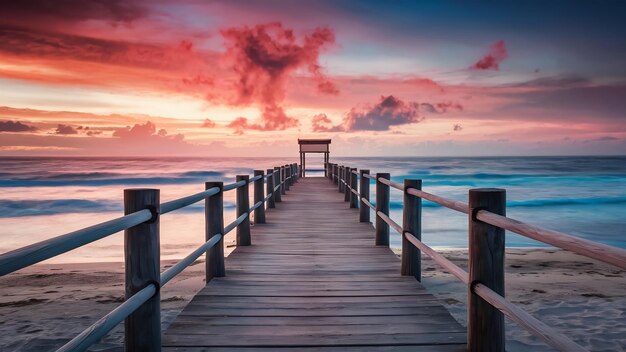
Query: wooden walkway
313	280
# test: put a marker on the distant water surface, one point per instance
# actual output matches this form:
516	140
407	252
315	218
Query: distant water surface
44	197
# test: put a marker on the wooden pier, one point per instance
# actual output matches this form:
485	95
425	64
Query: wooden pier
310	272
314	279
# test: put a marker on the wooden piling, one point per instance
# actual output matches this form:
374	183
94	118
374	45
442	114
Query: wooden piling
283	180
346	190
382	205
214	224
485	323
269	188
354	199
142	262
335	173
243	207
277	179
340	183
364	192
287	177
259	196
411	223
294	172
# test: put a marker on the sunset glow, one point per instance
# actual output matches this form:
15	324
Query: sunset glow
244	78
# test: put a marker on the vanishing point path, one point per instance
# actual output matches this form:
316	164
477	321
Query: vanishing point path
313	280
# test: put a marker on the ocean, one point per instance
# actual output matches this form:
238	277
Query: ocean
43	197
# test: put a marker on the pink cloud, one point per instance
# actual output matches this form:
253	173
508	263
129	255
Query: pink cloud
321	123
491	61
146	131
441	107
389	111
208	123
264	57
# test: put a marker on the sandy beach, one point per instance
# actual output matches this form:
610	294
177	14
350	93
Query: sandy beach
45	305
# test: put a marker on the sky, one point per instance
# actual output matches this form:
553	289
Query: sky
248	78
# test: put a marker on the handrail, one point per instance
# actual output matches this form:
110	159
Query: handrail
234	185
234	224
367	202
176	269
257	177
390	183
34	253
439	259
601	252
390	222
446	202
105	324
532	324
185	201
604	253
37	252
256	205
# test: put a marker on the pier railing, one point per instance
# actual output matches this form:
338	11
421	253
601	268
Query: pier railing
144	279
486	212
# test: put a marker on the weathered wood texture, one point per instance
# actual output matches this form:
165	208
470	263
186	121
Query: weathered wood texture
313	280
142	256
485	323
411	223
214	224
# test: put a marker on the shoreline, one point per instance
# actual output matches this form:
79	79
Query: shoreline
46	304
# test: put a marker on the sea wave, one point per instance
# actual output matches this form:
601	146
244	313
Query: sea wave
534	203
108	179
21	208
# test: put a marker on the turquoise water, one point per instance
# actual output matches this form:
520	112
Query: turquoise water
45	197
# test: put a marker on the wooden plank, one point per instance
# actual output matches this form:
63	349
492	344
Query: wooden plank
337	339
305	320
406	348
192	328
313	280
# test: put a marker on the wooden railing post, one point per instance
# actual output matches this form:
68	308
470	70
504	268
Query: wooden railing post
364	192
335	173
295	171
276	179
243	206
289	174
346	190
214	224
142	261
340	183
259	212
287	179
283	180
382	205
269	188
411	223
485	324
353	183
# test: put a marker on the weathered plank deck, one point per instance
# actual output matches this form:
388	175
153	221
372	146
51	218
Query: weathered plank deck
314	280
